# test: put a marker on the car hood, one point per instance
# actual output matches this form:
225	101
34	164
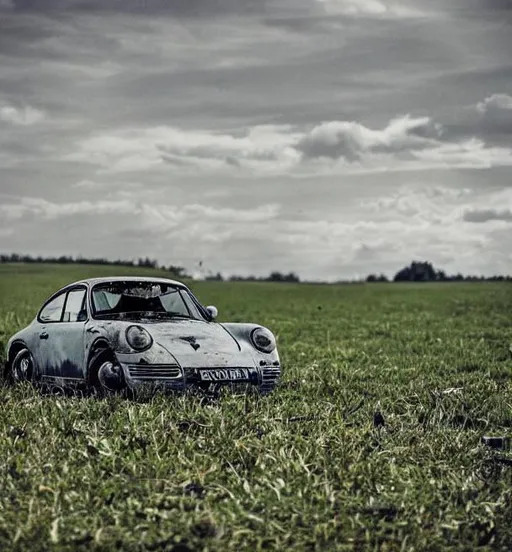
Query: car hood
200	344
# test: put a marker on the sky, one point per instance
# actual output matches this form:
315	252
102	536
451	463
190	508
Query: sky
332	138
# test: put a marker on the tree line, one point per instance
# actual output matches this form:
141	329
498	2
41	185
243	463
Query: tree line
421	271
177	271
272	277
417	271
68	259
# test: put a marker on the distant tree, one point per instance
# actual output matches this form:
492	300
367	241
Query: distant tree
441	276
292	277
278	277
416	272
68	259
215	277
238	278
147	263
375	278
177	271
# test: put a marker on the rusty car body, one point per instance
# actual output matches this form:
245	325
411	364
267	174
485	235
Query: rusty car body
111	334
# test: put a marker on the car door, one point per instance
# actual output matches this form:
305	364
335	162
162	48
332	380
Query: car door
68	340
48	322
62	337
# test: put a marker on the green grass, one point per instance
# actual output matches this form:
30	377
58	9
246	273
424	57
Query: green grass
303	468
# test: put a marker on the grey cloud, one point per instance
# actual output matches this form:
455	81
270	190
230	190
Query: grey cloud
42	209
500	8
213	7
496	113
237	237
468	8
485	215
351	140
20	116
172	7
99	71
489	119
219	76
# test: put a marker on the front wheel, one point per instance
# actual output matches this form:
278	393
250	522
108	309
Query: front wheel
22	367
105	375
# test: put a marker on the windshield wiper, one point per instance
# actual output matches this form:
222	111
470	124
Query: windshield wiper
143	314
124	315
100	315
168	315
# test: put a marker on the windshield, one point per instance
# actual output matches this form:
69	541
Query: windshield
129	300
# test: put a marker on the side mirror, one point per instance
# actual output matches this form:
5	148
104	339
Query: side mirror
212	311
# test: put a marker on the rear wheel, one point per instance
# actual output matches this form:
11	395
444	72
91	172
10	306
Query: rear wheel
105	375
22	367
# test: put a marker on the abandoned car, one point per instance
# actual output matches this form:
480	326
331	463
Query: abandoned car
115	334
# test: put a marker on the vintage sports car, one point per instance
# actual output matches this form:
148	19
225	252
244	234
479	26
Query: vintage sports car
115	334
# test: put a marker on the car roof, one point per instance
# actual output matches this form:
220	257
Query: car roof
93	281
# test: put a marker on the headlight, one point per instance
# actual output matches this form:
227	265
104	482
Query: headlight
138	338
263	340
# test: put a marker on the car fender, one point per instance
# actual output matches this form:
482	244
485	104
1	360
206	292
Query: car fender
242	333
97	335
17	341
111	333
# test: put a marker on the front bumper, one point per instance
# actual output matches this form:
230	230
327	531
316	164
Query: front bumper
176	378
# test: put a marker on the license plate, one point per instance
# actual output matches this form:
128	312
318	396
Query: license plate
224	374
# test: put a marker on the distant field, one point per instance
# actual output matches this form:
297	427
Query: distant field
302	469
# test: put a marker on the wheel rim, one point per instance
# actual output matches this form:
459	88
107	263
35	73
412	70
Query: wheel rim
21	371
110	376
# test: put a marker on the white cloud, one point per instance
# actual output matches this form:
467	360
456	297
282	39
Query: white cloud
486	215
263	213
405	143
493	210
111	188
495	114
46	210
370	8
434	204
352	140
467	154
264	147
191	110
379	234
5	232
161	217
497	103
437	204
24	116
87	185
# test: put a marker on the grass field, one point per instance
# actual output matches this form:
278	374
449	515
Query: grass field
303	468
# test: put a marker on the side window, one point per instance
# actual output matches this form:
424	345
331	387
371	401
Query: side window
194	311
75	310
52	312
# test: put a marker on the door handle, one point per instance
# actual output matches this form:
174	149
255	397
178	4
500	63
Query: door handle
43	335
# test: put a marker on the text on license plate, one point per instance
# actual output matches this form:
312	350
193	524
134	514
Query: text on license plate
224	374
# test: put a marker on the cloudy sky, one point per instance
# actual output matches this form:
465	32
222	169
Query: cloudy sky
329	137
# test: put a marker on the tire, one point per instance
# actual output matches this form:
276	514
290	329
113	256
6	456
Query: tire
105	376
22	367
